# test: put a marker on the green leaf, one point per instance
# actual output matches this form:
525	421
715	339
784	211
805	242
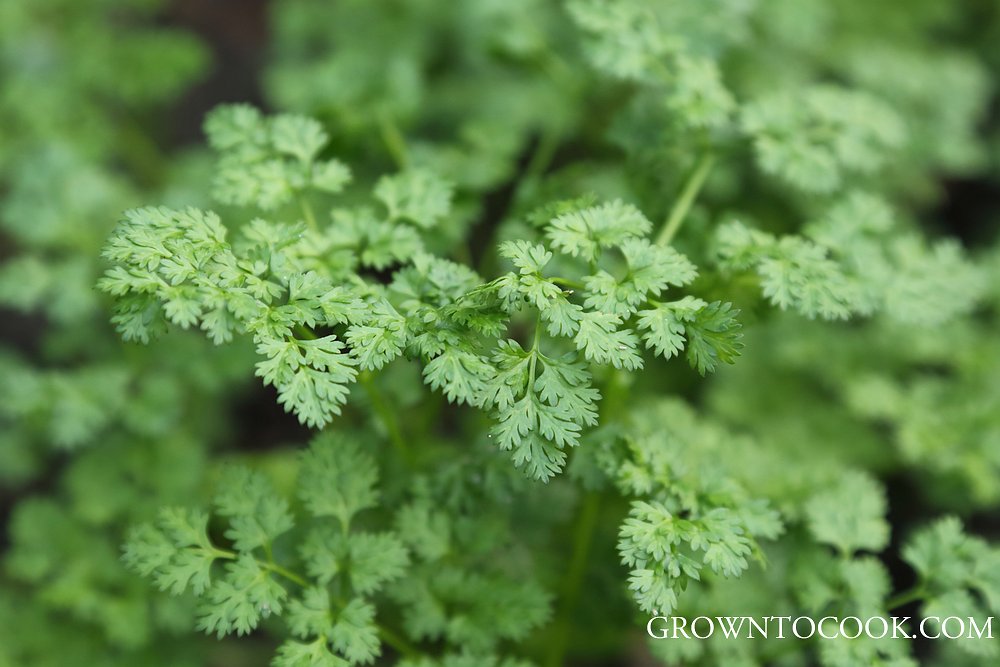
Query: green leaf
424	529
380	339
461	375
602	342
355	634
257	515
298	136
236	602
232	126
539	416
586	232
416	195
314	654
311	376
851	515
651	269
311	616
816	136
794	272
651	540
375	559
324	551
176	553
337	479
714	335
330	176
698	98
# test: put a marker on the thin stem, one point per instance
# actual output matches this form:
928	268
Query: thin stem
918	592
683	204
402	646
307	213
566	282
303	333
534	348
286	573
392	138
145	158
385	414
264	565
388	636
583	534
539	162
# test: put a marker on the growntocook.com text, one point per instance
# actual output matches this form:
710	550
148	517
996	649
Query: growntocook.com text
828	627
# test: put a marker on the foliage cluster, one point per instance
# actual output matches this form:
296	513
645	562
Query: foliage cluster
595	310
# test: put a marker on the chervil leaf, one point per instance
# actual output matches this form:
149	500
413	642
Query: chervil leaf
313	654
256	514
794	272
354	634
714	336
337	479
310	375
176	553
268	161
651	269
602	342
529	284
585	232
297	136
812	138
381	339
233	126
538	416
374	560
460	374
311	616
851	515
698	97
417	196
236	602
650	542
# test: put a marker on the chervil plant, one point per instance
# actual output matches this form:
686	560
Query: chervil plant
574	314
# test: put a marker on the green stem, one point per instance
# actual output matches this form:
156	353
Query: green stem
286	573
540	160
534	348
688	194
566	282
583	534
918	592
264	565
402	646
392	138
388	636
385	414
144	156
303	333
307	213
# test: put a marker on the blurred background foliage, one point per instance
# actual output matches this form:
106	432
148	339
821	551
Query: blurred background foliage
517	102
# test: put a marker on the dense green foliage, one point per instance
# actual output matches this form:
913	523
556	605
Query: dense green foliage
582	312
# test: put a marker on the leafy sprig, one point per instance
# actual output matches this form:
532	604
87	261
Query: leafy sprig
278	285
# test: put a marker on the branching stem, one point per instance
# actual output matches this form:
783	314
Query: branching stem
389	636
